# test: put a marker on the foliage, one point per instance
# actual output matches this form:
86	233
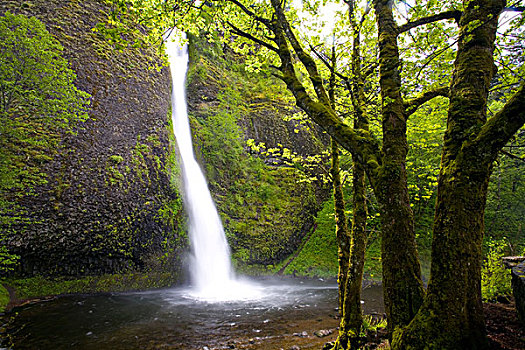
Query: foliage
495	278
505	212
7	260
38	100
4	298
371	323
318	255
427	56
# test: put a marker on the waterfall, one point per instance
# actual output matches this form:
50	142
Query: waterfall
210	267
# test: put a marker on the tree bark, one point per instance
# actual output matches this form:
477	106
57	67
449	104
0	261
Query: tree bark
352	315
452	314
386	170
341	226
403	288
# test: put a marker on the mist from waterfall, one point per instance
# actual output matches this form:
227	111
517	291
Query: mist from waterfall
211	271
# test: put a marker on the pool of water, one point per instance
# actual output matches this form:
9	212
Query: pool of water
175	318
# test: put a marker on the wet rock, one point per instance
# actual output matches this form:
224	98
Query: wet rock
97	202
323	333
302	334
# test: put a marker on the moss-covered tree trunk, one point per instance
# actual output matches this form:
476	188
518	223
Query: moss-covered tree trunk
341	226
452	314
352	316
403	288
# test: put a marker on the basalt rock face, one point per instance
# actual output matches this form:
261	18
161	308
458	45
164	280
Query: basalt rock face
110	204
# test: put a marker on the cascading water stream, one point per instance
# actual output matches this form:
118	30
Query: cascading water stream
211	271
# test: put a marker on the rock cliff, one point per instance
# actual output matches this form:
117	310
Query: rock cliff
109	204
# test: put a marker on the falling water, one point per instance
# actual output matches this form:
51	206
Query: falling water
211	271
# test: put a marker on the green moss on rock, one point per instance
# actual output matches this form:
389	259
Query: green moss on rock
38	287
266	201
114	176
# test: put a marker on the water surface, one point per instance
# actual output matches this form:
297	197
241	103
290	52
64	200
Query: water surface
177	319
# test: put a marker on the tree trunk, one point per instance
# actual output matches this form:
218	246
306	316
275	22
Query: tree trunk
352	318
341	226
452	314
451	317
352	315
403	288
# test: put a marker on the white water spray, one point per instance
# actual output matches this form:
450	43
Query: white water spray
211	271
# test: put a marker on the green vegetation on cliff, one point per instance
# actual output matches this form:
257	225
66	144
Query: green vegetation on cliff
266	208
35	287
38	103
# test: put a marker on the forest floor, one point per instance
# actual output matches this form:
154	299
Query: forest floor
503	328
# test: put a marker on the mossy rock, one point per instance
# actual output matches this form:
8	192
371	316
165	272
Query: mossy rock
40	287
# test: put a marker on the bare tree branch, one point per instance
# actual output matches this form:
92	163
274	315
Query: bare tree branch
502	126
412	105
248	36
452	14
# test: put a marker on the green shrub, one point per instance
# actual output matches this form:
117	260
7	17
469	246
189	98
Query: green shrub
116	159
495	278
4	298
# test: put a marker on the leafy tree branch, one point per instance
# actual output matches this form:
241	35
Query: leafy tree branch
412	105
452	14
498	130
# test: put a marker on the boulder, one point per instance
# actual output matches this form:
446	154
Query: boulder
518	289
